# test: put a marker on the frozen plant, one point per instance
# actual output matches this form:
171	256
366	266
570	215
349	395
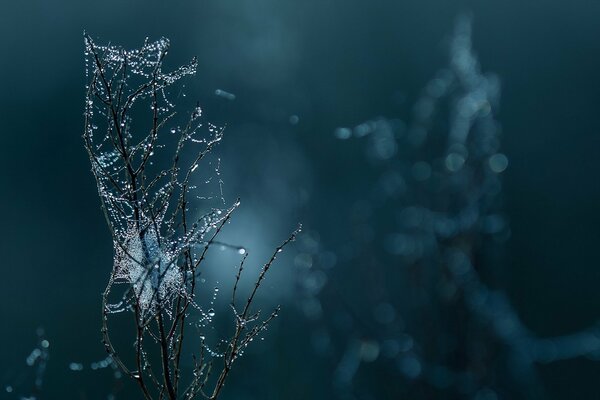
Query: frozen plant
160	240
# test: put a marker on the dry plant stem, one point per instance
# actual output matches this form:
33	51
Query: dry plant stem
158	250
165	357
236	343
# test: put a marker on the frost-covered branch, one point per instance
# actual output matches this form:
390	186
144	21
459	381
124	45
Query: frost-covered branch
160	242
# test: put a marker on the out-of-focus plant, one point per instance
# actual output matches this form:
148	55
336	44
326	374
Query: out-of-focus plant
435	314
32	380
160	245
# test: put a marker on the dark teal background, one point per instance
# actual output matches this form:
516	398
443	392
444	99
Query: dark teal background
331	63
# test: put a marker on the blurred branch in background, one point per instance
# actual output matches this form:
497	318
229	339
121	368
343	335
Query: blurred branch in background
432	309
28	385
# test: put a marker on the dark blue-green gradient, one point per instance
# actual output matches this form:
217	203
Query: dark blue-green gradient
299	69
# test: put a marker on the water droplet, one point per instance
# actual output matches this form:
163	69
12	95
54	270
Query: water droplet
421	171
342	133
224	94
75	366
498	162
454	162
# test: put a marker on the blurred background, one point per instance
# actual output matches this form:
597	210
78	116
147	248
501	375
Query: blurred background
328	107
